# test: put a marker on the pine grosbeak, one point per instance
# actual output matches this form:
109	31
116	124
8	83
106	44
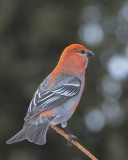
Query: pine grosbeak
57	96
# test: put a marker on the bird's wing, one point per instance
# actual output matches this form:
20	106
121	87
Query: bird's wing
61	91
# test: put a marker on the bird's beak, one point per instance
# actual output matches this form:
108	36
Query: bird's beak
89	53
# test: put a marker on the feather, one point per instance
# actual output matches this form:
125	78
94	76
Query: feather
54	96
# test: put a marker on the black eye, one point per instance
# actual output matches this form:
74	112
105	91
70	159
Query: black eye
83	51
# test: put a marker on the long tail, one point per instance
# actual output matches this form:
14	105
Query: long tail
35	133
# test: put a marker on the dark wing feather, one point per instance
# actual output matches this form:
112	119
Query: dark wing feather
53	98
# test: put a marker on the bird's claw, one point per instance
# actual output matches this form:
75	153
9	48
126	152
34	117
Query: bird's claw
70	138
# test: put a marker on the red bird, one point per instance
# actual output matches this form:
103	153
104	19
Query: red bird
57	96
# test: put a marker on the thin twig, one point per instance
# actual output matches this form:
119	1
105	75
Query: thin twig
78	145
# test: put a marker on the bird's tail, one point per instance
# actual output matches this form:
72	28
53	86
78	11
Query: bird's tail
33	132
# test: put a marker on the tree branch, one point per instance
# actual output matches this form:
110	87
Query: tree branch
78	145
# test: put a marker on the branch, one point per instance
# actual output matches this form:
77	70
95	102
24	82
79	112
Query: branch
78	145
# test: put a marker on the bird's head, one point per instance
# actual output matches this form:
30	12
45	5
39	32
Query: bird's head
77	54
77	50
74	59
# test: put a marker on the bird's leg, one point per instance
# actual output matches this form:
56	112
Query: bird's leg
70	136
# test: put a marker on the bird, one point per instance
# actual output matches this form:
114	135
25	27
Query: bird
57	97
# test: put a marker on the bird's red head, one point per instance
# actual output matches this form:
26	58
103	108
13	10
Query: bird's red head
76	50
73	61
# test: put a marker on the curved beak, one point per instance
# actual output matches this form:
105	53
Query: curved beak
89	53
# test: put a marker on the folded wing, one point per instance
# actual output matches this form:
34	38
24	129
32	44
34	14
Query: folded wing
53	97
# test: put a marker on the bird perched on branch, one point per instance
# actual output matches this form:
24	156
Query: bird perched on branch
57	96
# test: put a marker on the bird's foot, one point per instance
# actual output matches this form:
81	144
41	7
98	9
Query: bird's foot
70	138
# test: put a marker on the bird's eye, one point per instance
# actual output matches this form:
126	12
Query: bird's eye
82	51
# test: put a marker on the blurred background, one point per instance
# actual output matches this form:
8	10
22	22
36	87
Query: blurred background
32	36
